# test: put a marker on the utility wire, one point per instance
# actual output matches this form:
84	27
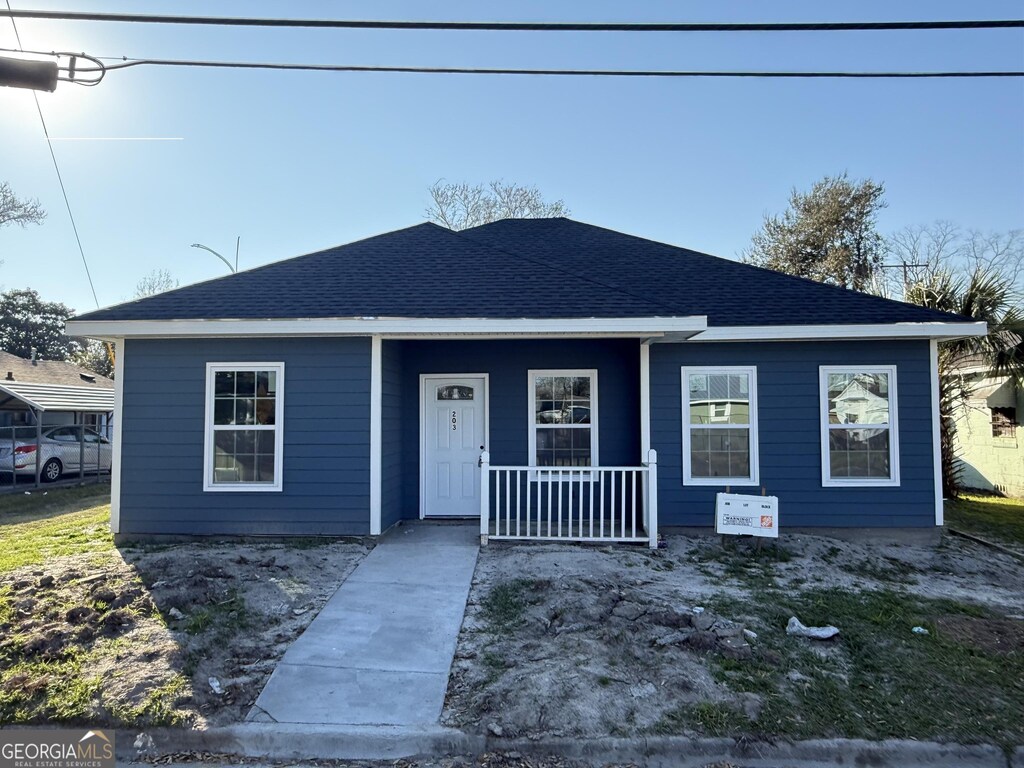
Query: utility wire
517	26
126	63
56	167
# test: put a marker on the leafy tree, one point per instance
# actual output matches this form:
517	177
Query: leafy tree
461	206
27	322
983	295
95	355
157	281
16	211
828	234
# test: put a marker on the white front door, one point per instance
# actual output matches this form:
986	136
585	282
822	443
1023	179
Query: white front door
454	412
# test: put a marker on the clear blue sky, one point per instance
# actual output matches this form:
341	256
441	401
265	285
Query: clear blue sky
295	162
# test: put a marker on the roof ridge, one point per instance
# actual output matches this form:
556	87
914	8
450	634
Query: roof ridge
558	268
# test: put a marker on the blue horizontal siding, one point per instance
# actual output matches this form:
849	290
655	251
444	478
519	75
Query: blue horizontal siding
326	439
789	433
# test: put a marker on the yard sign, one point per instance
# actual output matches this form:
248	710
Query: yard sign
751	515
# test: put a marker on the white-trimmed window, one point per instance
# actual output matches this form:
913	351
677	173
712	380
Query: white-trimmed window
859	440
244	426
563	418
720	425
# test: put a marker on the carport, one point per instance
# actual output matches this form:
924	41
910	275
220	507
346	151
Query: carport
39	399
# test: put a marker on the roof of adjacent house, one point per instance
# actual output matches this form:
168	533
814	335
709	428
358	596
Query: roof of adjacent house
519	268
14	369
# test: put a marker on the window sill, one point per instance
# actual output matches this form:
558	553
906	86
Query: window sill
242	488
861	483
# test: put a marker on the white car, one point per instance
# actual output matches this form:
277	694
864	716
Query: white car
61	453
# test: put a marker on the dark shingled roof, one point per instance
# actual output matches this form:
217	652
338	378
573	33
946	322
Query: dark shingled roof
518	268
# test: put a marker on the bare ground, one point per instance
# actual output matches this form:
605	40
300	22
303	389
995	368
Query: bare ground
133	637
564	640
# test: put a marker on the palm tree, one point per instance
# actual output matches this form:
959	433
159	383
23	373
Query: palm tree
985	296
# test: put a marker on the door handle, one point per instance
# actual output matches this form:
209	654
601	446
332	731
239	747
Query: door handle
480	459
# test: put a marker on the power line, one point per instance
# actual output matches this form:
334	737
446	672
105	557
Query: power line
56	167
127	63
518	26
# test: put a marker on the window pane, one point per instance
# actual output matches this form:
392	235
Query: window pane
455	392
224	383
859	452
243	456
562	400
561	447
265	410
224	411
858	398
720	453
245	383
245	410
719	398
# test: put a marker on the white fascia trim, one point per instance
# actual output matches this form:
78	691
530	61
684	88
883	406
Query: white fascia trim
115	449
827	332
376	433
933	359
397	327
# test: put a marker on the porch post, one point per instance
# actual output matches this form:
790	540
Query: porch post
933	360
485	497
376	412
645	399
651	507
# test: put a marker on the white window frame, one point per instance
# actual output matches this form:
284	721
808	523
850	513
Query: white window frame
551	474
210	429
755	470
827	481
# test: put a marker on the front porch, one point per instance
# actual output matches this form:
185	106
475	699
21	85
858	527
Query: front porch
538	438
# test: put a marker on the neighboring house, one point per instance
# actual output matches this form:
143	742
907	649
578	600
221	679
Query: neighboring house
58	392
990	438
532	364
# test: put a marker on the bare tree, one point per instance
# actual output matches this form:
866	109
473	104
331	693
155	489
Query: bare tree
16	211
920	253
462	205
157	281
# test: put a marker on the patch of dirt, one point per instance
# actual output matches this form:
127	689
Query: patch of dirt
565	640
1003	636
585	646
151	625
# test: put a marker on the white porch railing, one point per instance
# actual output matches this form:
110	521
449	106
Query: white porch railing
594	504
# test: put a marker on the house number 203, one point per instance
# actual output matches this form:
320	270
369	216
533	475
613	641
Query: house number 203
455	421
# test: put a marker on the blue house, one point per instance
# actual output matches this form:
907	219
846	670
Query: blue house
553	378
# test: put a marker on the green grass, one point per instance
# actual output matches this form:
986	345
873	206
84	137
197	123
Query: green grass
879	680
505	604
988	516
67	521
36	504
65	689
708	717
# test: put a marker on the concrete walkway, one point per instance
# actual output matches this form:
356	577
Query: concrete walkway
380	651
